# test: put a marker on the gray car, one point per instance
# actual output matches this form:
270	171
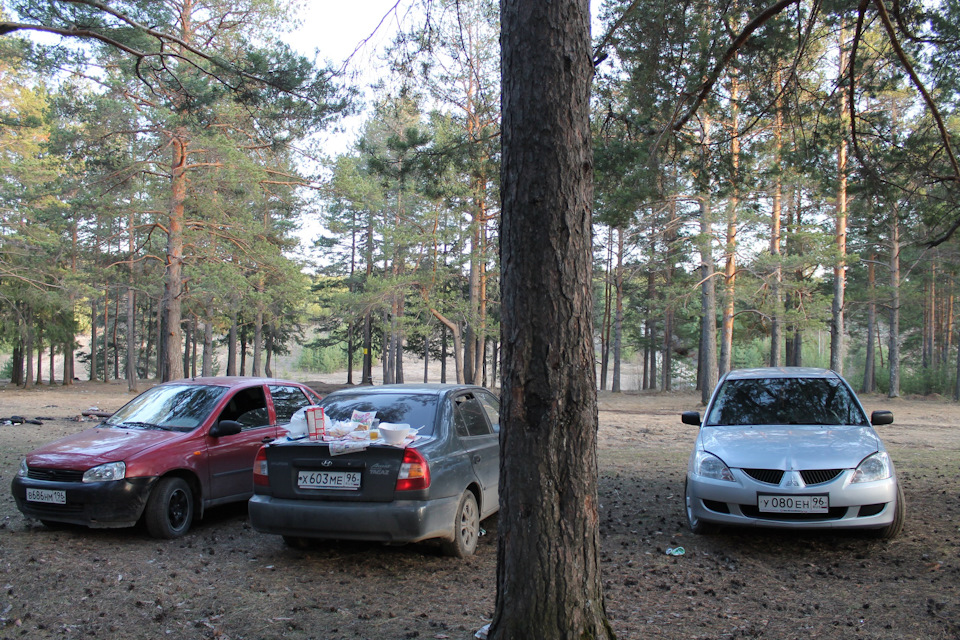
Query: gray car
439	486
791	447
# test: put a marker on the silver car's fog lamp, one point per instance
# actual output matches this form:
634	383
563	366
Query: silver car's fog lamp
106	472
708	465
874	467
22	471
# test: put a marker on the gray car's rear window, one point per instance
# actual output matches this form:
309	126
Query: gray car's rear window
417	410
762	401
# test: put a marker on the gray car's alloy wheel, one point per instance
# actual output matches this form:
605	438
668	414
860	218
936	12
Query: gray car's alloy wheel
696	524
169	511
466	528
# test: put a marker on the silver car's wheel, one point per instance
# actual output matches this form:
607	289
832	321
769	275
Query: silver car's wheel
466	528
696	524
895	528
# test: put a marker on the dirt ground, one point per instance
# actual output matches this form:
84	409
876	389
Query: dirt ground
224	580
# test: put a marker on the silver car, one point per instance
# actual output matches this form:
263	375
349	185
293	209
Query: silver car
791	447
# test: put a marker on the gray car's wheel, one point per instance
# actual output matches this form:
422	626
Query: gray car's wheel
466	528
296	542
169	511
696	524
895	528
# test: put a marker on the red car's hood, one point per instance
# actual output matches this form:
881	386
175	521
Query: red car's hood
97	446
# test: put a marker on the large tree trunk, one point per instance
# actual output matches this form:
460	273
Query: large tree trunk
131	366
258	343
268	351
69	365
457	347
618	315
870	365
776	327
548	572
670	236
708	291
840	267
93	339
106	330
894	349
708	305
206	369
232	345
730	264
172	356
607	312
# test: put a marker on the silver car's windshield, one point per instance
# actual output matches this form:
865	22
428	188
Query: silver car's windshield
170	407
784	401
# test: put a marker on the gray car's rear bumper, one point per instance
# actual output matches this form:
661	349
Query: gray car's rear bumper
397	521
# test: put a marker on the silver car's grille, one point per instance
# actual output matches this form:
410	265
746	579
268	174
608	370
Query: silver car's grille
768	476
810	476
55	475
819	476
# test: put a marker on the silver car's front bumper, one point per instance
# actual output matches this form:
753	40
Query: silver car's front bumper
867	505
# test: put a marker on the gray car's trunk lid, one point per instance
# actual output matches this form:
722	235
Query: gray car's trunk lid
293	466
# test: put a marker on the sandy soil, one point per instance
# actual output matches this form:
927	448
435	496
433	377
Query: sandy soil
224	580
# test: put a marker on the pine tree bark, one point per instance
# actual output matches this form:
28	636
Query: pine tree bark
618	315
173	284
870	365
894	349
708	305
776	326
730	260
548	573
131	366
840	267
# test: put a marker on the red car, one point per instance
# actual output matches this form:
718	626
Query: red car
165	456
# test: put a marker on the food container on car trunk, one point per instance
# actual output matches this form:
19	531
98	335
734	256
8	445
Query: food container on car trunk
394	433
315	423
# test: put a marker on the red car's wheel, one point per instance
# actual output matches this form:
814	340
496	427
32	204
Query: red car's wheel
169	512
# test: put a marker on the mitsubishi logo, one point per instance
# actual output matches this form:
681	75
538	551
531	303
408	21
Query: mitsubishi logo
792	479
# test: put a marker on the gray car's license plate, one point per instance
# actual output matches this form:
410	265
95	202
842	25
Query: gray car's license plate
349	480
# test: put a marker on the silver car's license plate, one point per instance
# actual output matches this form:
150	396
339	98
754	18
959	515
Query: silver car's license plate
52	496
793	504
349	480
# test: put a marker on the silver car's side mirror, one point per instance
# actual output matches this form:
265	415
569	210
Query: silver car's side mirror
881	417
690	417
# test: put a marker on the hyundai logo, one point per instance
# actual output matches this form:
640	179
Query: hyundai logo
327	463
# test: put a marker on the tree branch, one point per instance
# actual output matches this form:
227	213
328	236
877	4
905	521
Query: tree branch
728	55
927	98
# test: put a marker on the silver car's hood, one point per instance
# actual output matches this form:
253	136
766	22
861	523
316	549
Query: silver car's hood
792	447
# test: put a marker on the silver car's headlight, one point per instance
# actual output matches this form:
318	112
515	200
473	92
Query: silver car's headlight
874	467
22	471
708	465
106	472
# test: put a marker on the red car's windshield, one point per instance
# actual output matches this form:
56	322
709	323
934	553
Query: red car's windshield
176	407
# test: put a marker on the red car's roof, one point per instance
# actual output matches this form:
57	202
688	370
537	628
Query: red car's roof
231	381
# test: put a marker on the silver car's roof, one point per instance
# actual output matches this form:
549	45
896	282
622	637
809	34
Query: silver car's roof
781	372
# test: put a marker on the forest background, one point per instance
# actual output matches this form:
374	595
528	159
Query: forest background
774	185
